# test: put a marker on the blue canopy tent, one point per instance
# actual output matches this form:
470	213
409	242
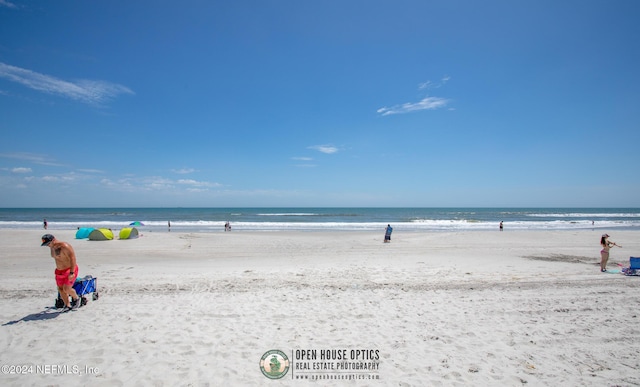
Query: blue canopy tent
83	232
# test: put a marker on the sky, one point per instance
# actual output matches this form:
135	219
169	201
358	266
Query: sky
332	103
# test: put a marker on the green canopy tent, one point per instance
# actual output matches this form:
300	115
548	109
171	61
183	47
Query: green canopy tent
129	233
101	234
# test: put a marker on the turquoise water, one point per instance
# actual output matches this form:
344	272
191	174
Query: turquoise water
318	219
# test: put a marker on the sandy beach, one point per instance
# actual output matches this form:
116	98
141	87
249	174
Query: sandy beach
474	308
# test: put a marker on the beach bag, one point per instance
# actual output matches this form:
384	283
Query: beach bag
82	286
85	285
634	267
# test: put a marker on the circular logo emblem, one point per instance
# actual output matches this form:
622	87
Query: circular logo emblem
274	364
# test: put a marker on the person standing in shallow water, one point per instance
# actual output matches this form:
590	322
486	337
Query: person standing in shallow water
604	253
44	224
501	226
387	234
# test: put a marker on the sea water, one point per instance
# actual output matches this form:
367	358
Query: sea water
323	219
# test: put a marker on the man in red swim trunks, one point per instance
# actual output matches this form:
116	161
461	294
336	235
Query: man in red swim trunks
66	269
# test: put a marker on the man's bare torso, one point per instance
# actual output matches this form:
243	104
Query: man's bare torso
63	253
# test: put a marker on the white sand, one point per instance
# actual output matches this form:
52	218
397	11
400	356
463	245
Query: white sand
468	308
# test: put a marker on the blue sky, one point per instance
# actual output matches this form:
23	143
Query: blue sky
319	103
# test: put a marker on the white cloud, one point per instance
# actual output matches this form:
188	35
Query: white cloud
305	163
59	178
430	85
157	183
137	184
183	171
92	171
425	85
107	182
31	157
428	103
196	183
88	91
328	149
21	170
8	4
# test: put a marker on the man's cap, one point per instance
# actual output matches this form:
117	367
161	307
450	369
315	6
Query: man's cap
46	239
605	235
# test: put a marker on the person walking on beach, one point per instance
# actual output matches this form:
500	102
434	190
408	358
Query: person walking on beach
501	226
387	234
604	253
66	270
44	223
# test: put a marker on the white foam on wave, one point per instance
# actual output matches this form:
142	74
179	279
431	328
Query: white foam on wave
586	215
415	225
289	214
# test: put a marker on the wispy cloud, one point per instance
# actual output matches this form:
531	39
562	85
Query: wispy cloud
183	171
67	177
434	85
196	183
8	4
21	170
58	178
91	171
87	91
427	103
304	162
31	157
328	149
157	183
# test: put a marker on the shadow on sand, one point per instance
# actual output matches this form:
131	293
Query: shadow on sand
46	314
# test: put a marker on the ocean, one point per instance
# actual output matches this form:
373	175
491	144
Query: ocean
323	219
